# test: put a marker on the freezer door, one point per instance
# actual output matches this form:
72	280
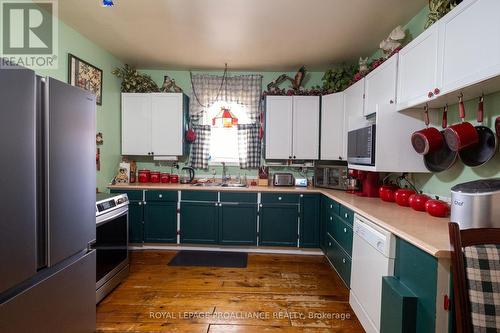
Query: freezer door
62	302
18	257
70	169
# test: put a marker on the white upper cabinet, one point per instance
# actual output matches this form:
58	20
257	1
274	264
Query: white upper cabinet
354	99
380	86
470	41
305	142
279	115
136	124
292	127
333	128
153	124
418	72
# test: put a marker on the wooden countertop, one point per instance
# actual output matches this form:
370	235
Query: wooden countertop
420	229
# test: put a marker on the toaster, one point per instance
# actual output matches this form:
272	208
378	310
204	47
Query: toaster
283	179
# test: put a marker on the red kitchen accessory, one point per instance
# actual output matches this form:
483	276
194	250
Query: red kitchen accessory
497	127
428	139
144	176
190	135
387	192
174	178
165	177
462	135
443	158
402	196
155	176
437	208
418	201
486	148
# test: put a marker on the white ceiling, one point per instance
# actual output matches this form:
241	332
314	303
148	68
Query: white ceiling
247	34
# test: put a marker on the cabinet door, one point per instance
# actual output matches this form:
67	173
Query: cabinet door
278	225
160	222
380	86
238	224
136	124
354	103
199	222
167	124
278	127
333	131
305	140
470	44
135	222
418	69
309	220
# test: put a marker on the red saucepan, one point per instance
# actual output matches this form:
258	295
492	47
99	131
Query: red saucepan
486	148
461	135
443	158
428	139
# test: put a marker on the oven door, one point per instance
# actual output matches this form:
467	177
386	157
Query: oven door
111	244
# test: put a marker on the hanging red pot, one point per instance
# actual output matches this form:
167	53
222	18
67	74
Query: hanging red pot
190	135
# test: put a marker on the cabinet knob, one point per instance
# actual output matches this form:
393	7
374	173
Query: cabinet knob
340	158
391	101
140	203
279	198
294	156
329	243
216	204
160	196
220	205
331	218
343	260
345	230
430	94
301	195
437	91
260	205
290	156
346	215
331	206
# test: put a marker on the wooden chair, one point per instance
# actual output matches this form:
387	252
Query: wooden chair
475	261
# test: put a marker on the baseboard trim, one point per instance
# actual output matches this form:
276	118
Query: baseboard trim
260	249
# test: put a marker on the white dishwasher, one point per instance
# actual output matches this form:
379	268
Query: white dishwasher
373	256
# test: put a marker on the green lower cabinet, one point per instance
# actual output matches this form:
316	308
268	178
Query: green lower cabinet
343	234
135	222
278	225
399	307
160	222
238	224
199	222
309	220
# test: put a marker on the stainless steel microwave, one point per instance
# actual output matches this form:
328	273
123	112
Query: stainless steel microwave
331	176
361	146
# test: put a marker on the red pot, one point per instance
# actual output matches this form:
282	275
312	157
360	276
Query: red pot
165	177
427	140
144	176
386	192
155	176
417	201
402	196
174	179
437	208
462	135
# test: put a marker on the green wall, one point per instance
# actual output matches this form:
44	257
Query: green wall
440	183
108	115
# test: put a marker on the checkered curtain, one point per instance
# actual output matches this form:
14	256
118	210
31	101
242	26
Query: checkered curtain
249	146
200	148
483	276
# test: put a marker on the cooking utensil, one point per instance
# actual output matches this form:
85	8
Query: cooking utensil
428	139
486	147
417	201
437	208
402	196
187	175
461	135
443	158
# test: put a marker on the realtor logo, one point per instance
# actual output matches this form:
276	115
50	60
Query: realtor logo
29	34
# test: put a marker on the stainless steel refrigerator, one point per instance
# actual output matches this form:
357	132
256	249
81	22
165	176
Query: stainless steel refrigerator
47	205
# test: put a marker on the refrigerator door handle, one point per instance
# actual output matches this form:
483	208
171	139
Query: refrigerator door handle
46	168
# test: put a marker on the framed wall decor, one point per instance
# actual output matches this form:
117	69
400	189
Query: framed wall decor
84	75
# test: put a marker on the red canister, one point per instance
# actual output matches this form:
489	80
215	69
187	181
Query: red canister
144	176
174	179
165	177
155	176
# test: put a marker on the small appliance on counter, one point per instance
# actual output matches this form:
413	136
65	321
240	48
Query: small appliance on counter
331	176
187	175
112	265
476	204
370	183
283	179
353	183
301	182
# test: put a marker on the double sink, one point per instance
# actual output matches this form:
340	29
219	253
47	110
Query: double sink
220	185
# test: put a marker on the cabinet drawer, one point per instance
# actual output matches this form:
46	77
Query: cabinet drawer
238	197
331	221
133	195
343	265
347	215
332	206
170	196
199	196
284	198
343	235
330	249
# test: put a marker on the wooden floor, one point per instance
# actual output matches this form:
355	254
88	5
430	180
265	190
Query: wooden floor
274	294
